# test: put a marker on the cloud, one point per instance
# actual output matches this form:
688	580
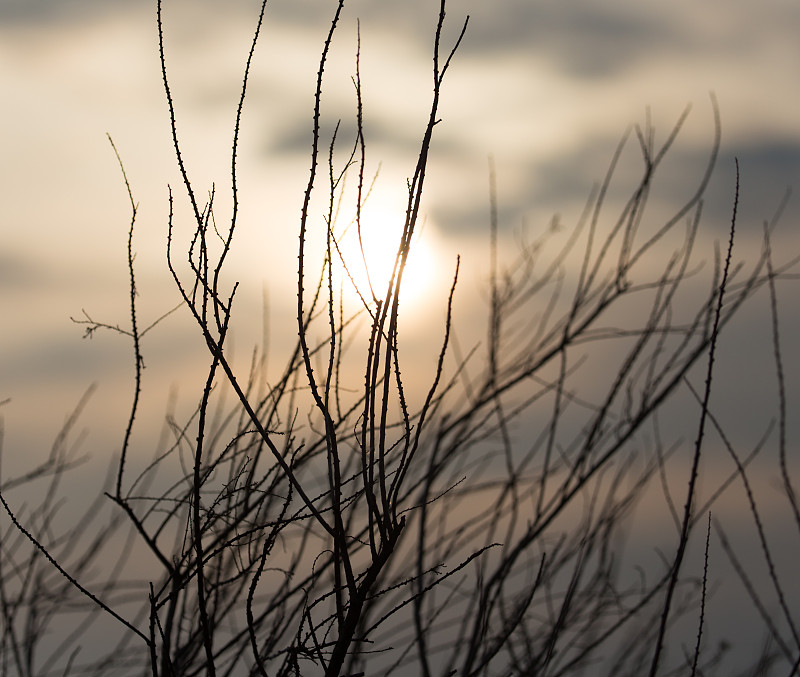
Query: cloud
27	12
18	273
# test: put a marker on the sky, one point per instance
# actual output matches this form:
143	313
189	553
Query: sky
545	88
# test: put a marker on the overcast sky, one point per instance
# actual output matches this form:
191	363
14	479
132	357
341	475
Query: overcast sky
547	88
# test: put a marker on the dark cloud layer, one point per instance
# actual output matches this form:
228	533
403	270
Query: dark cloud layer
54	11
584	39
17	273
768	168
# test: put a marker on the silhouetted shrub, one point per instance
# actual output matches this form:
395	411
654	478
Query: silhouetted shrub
340	524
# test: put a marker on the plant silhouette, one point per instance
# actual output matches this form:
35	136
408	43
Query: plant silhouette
474	527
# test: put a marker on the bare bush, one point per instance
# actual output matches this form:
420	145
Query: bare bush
346	524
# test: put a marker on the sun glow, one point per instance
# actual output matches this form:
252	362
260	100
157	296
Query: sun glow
367	266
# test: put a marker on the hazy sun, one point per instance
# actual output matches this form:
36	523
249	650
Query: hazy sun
371	272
